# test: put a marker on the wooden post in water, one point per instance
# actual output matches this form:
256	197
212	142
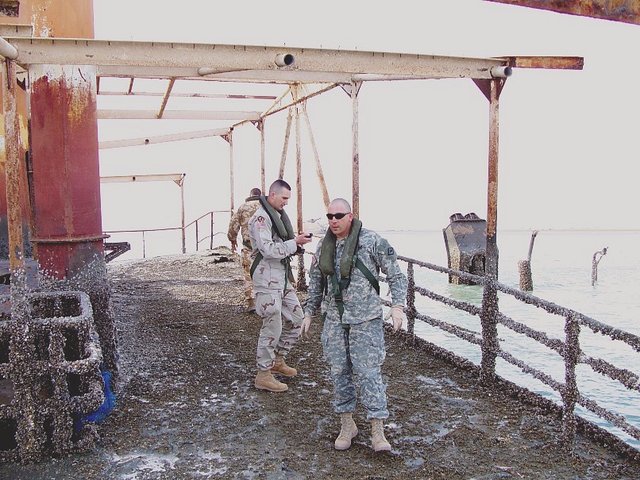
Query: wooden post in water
524	267
594	264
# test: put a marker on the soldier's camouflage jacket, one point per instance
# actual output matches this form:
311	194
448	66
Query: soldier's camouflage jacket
240	221
361	301
271	272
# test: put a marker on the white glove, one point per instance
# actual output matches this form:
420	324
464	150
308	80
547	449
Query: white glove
306	325
397	316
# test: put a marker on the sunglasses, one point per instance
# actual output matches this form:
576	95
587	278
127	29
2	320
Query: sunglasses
338	216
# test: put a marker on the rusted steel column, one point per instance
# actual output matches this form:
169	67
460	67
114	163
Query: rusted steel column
66	190
355	186
63	19
490	344
298	173
569	393
301	281
229	138
323	183
262	155
15	192
18	135
285	146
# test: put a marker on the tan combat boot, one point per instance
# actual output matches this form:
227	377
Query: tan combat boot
378	440
348	431
265	381
283	368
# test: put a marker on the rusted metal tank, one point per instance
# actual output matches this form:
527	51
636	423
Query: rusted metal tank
465	239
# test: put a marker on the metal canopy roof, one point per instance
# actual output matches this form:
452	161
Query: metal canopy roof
179	71
256	64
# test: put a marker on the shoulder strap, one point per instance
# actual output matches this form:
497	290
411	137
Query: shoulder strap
367	273
255	263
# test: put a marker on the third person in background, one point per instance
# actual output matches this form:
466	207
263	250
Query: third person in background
240	223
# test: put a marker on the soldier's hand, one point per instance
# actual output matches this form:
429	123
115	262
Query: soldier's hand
303	238
397	316
306	326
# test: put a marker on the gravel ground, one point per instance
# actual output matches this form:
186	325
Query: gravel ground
187	407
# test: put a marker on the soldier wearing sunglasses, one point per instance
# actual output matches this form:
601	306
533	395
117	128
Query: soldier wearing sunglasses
344	286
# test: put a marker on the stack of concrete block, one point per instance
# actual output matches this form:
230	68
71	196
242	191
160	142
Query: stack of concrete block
50	377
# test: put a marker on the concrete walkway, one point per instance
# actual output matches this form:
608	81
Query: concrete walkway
187	407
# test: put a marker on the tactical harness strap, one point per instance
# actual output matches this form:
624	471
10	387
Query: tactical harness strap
281	226
341	278
340	285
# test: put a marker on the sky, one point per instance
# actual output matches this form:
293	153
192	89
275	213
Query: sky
569	148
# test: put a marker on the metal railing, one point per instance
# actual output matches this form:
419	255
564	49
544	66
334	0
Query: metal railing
568	349
209	217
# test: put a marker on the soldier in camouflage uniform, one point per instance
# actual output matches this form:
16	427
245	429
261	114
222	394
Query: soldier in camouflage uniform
240	223
273	243
344	286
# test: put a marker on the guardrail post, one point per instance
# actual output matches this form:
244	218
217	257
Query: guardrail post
197	236
569	393
488	320
411	299
211	236
144	247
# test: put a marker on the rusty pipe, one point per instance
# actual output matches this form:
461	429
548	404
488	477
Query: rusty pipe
284	59
7	50
501	71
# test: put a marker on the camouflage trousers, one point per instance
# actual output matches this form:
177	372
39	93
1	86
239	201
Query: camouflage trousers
245	255
282	316
355	356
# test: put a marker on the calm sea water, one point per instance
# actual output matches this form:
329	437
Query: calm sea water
561	270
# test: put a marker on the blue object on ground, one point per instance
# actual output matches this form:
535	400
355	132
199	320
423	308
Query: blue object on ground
109	403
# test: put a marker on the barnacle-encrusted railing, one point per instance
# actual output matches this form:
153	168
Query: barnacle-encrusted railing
569	349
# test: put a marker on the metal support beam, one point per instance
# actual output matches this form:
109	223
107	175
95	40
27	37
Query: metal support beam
15	191
172	137
178	178
229	138
355	183
627	11
165	99
243	62
316	156
176	115
285	146
261	125
489	313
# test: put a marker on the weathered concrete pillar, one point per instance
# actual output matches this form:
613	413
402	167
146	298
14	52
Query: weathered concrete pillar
66	190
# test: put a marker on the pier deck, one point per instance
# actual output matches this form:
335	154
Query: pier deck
187	407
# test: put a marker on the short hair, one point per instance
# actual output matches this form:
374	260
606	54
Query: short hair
255	191
342	202
278	186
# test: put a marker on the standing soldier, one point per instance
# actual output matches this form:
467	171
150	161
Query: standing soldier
240	221
344	280
273	243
